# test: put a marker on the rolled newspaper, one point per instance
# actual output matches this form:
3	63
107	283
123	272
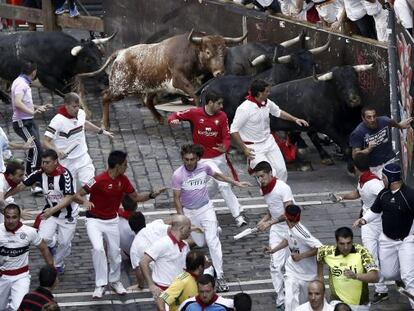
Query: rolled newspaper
244	233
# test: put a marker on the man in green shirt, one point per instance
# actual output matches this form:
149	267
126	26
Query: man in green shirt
351	268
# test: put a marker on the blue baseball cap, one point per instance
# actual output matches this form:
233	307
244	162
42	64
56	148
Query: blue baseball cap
393	172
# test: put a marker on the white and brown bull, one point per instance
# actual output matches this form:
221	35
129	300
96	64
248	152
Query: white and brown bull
170	66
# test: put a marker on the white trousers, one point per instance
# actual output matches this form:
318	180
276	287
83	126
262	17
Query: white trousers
126	235
81	168
12	290
381	23
205	217
277	262
370	234
98	230
296	291
219	164
61	231
396	258
269	151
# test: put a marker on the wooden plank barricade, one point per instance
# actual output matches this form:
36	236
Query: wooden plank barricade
47	17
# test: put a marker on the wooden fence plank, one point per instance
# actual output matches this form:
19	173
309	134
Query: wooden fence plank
19	12
81	22
49	17
36	16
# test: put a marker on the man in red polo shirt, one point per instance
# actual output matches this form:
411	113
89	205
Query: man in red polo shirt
106	191
210	128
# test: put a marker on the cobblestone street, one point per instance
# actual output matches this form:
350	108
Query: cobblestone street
153	155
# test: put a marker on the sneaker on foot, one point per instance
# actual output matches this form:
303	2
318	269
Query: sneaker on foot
240	221
379	297
60	270
221	286
118	288
98	292
36	190
61	10
73	12
281	307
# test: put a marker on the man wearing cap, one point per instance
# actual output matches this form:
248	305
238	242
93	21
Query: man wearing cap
300	266
395	203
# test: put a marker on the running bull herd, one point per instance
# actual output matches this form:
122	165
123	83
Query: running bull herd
176	65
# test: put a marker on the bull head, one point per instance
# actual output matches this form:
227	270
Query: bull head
76	49
358	68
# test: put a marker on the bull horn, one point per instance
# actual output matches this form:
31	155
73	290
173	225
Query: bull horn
325	77
192	39
322	48
284	59
75	50
359	68
104	40
258	60
235	40
290	42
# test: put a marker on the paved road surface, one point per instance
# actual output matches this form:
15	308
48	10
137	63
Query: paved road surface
153	155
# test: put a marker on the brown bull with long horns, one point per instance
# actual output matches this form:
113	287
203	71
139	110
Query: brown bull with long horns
170	66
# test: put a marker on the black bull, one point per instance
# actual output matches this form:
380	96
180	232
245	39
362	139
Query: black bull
58	56
331	104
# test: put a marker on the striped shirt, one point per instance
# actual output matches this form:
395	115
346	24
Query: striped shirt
14	248
67	133
34	301
55	187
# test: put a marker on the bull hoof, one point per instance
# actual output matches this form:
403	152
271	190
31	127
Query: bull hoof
327	161
303	151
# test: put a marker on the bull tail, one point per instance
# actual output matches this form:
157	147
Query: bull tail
94	73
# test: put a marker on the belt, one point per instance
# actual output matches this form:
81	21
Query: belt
14	271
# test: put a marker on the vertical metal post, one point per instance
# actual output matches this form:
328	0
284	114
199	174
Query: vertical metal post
392	69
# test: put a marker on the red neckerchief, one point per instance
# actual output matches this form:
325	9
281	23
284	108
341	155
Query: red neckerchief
195	276
252	99
58	171
124	214
267	189
63	111
205	305
366	176
19	225
11	183
180	244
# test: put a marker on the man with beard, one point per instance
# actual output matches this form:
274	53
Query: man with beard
373	137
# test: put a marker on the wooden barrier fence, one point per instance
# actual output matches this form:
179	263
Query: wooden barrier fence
47	17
